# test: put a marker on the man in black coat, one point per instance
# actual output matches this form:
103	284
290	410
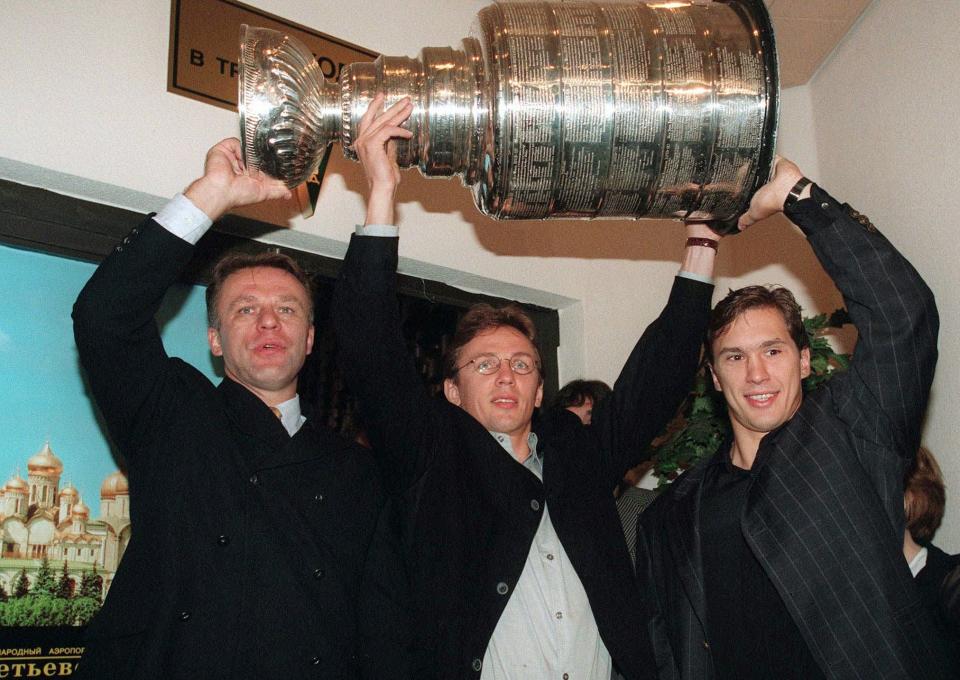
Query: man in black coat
518	561
260	548
780	557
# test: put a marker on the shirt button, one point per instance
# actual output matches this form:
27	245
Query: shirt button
318	573
223	540
566	676
549	556
503	588
184	616
254	480
476	665
559	615
535	505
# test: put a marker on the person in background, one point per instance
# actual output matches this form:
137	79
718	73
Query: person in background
936	573
581	396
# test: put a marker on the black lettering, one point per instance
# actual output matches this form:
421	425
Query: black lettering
196	57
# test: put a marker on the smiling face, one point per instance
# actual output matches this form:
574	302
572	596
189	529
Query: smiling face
502	401
759	369
265	331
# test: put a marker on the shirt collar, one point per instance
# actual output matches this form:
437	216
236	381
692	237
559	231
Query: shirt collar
290	414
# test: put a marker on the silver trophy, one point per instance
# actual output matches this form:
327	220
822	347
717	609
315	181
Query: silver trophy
549	109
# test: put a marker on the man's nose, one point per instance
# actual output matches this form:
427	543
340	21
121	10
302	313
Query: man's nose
268	318
505	373
757	370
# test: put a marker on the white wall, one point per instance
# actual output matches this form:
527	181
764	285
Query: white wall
886	108
86	112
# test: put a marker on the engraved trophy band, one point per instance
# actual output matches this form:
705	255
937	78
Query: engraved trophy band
549	109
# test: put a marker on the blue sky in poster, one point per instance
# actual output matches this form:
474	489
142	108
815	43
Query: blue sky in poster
43	397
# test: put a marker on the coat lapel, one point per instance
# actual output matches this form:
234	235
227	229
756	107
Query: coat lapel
683	528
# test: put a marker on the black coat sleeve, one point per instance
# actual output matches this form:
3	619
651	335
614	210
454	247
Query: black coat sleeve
116	332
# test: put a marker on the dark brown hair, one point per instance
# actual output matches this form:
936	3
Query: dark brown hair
575	392
755	297
924	497
484	318
233	262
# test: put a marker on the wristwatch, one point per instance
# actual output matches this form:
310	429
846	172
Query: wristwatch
795	192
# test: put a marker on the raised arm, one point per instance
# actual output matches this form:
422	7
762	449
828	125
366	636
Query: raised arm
660	371
891	306
114	326
400	417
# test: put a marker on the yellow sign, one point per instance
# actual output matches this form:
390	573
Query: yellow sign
205	47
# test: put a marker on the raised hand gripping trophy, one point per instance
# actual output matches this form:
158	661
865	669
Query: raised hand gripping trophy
550	109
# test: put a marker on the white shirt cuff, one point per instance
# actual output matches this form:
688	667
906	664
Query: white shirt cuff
183	219
378	230
695	277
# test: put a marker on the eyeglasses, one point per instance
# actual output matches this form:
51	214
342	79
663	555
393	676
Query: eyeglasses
488	364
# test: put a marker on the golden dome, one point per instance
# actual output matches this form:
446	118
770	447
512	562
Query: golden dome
16	483
68	490
80	510
114	485
45	463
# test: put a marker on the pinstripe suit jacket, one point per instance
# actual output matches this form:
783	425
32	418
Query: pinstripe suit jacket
824	513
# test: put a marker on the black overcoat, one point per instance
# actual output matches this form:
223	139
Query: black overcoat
253	554
824	511
471	510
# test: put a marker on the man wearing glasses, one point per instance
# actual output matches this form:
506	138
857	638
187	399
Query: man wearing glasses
516	555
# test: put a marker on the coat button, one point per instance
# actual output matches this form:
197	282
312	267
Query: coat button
318	498
184	616
135	231
476	665
254	480
535	505
223	540
503	588
315	661
318	573
706	645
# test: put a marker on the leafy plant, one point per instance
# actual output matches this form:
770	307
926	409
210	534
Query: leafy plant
702	423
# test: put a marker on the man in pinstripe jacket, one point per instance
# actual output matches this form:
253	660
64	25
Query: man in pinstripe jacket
780	557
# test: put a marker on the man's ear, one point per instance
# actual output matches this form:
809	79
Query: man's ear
804	362
451	391
539	395
213	338
716	382
310	334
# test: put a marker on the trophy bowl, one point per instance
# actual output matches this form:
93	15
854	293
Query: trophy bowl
549	110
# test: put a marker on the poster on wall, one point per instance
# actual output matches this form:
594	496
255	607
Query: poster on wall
64	500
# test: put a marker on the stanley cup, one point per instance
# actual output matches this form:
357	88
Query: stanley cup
549	109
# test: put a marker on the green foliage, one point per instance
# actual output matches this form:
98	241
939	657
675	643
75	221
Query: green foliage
91	585
702	422
65	584
44	583
22	585
37	610
84	608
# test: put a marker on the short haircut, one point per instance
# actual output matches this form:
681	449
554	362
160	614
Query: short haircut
236	261
576	392
485	318
755	297
924	497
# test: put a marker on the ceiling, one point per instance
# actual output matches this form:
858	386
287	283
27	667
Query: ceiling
807	31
